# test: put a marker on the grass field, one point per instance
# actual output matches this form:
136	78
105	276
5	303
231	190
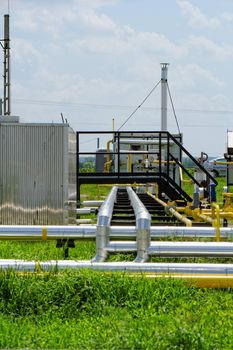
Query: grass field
93	310
87	310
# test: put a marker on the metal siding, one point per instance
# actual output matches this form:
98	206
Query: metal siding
33	174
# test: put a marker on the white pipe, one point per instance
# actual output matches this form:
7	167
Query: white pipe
156	268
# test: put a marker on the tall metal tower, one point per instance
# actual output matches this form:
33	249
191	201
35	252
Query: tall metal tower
164	67
6	74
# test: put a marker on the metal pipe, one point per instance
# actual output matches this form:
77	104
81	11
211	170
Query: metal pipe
121	246
84	221
143	221
151	141
108	151
205	218
216	220
91	210
130	267
36	233
93	203
191	249
103	226
172	211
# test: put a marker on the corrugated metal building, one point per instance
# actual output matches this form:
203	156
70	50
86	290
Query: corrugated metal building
37	173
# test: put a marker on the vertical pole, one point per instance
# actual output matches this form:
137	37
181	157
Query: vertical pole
118	155
6	75
77	172
164	96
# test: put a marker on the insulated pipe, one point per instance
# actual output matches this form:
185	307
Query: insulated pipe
191	249
130	267
92	203
176	249
91	210
84	221
38	233
172	211
143	221
197	232
103	226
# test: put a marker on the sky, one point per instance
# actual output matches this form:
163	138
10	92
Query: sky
95	60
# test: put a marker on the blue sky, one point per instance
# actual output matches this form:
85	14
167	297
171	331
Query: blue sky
94	60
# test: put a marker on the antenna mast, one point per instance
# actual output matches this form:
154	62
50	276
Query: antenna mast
6	75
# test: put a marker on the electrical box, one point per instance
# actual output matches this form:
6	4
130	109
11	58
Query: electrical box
230	143
37	173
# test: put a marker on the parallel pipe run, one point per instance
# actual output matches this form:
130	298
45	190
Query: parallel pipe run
143	222
103	226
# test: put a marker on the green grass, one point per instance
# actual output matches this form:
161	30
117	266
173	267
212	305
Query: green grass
90	310
93	310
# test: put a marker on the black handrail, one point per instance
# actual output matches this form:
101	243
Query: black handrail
209	176
163	170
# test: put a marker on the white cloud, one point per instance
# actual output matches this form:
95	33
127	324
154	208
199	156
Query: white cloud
24	52
26	20
191	76
219	53
195	17
227	16
98	22
95	3
154	42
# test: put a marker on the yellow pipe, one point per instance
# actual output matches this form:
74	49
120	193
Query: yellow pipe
108	163
205	218
129	164
163	161
107	166
216	220
180	217
108	150
200	281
